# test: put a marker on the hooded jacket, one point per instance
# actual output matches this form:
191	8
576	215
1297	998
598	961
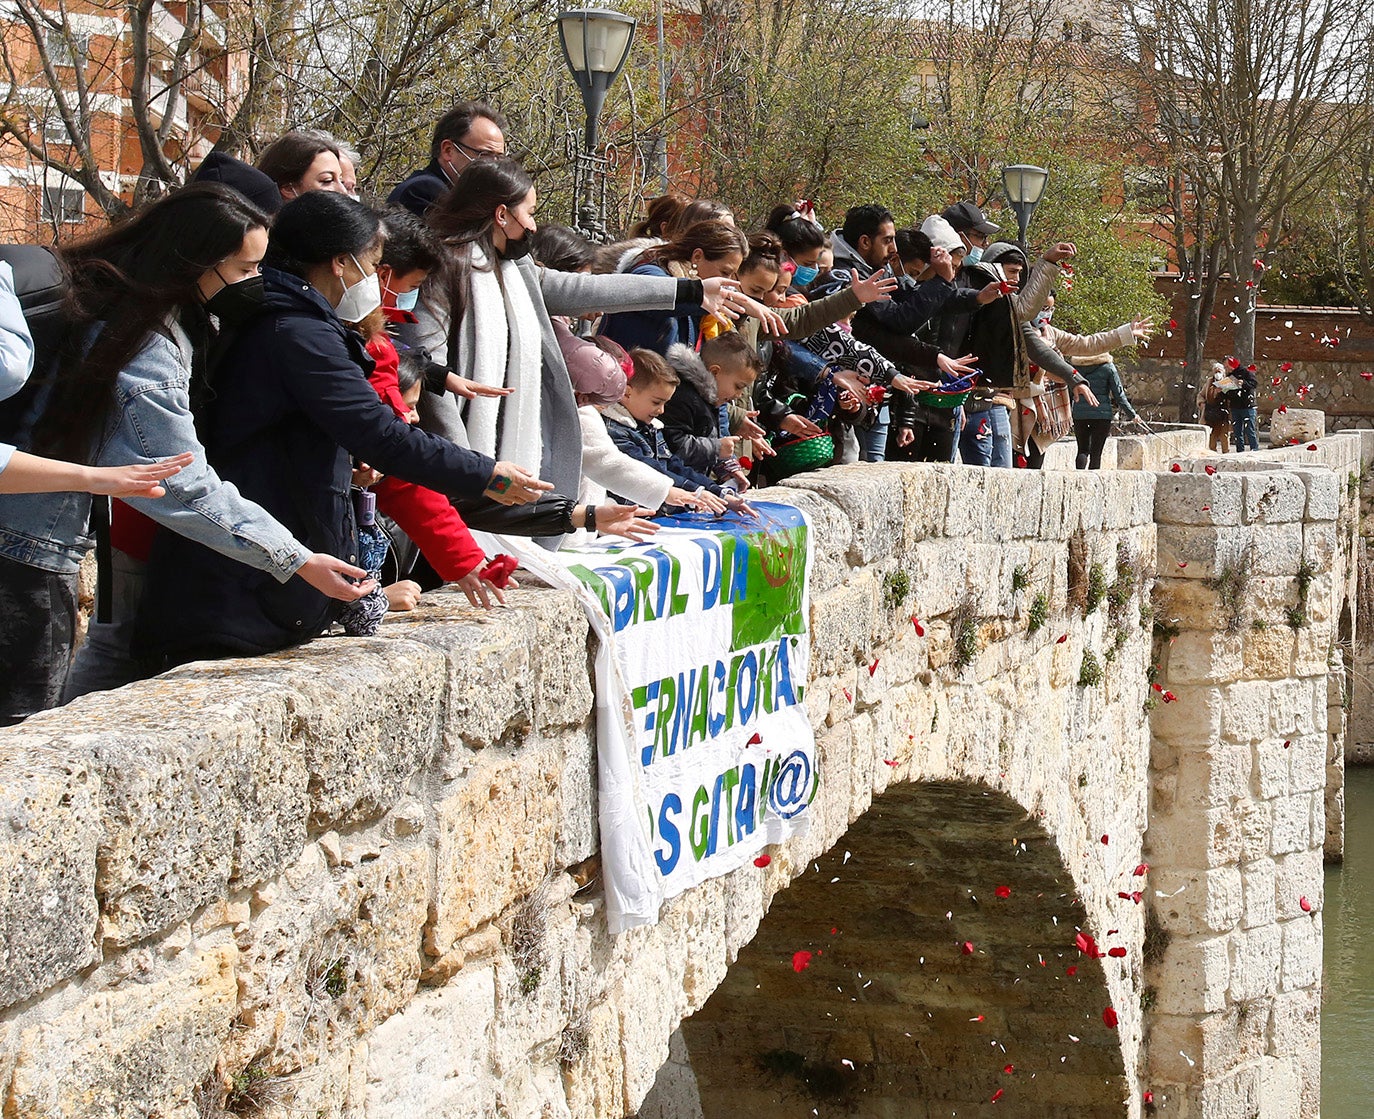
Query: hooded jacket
691	419
291	404
847	257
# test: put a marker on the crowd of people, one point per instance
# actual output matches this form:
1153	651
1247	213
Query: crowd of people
305	405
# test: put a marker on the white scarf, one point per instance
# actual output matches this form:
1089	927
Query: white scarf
502	332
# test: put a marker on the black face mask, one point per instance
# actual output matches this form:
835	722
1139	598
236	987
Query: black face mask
514	250
235	304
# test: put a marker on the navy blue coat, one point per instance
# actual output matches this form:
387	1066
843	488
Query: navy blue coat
288	407
420	190
645	443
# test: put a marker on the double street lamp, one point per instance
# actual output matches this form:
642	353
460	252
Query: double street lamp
596	43
1023	185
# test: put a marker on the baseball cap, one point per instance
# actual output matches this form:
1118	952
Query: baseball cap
965	215
941	234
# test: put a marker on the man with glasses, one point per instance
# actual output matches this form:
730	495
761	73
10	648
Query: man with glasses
468	131
973	228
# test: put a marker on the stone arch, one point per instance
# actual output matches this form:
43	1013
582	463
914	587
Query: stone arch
921	986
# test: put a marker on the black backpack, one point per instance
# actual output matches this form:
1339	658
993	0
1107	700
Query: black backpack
40	282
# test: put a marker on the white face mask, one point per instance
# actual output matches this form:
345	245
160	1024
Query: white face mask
360	299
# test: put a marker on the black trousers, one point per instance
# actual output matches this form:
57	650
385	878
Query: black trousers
1092	437
37	627
934	436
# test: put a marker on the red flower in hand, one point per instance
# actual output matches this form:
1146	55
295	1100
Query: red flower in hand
499	571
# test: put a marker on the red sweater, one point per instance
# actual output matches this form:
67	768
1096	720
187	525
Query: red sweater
426	516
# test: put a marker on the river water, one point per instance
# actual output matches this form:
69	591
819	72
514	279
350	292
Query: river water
1348	998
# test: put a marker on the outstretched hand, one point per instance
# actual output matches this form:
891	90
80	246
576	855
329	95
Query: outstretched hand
629	521
137	481
878	288
514	485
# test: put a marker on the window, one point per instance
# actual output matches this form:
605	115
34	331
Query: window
66	47
64	205
55	132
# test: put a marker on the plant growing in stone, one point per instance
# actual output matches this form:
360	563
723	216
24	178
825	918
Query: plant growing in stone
963	631
1090	671
1020	578
252	1090
1295	617
528	930
1231	585
1096	593
1039	612
896	586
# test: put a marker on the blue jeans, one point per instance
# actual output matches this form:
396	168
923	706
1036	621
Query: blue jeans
1245	428
986	438
873	442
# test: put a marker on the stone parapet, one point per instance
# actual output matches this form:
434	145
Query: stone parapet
360	878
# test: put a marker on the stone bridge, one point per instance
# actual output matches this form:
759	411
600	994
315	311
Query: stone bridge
1066	858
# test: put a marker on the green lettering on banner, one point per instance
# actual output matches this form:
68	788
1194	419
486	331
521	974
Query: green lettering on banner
699	837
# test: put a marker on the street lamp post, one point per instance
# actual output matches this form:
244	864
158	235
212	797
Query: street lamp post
1023	186
596	43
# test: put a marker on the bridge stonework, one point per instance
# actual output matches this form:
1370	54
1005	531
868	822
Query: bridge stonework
360	879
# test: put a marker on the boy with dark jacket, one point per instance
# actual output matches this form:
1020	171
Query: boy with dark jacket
636	430
695	422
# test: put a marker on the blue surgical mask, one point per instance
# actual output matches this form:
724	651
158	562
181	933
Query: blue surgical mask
974	255
1043	318
407	300
804	274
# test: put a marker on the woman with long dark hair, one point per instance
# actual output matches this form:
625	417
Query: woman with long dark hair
118	393
488	319
302	161
286	405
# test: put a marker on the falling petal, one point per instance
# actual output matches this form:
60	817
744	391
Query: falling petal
1003	891
916	624
1109	1018
1072	969
1061	639
967	948
1141	870
1304	905
763	860
801	960
754	739
849	698
1117	953
1105	840
1210	469
872	668
997	1095
1175	468
1148	1096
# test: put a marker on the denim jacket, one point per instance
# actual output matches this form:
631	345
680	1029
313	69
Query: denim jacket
151	419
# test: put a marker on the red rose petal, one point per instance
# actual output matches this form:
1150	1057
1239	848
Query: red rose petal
1287	743
997	1095
916	625
1009	1069
1117	953
847	696
1105	840
1283	409
1304	905
1210	469
1169	697
754	739
967	948
763	860
1252	368
833	930
1061	639
1275	383
1003	891
1175	468
1286	367
801	960
1157	687
1233	362
1311	446
1072	969
872	668
1123	895
1109	1018
1366	374
1142	870
1206	508
1173	324
1148	1096
892	762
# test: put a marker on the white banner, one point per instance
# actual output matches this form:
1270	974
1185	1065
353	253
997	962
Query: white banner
706	754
